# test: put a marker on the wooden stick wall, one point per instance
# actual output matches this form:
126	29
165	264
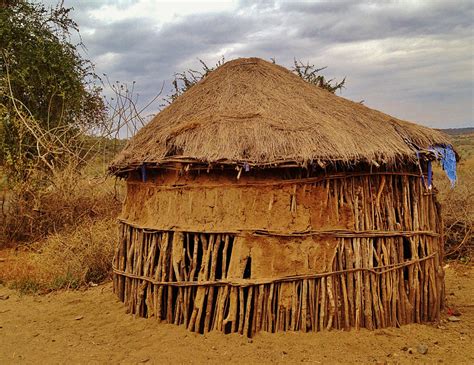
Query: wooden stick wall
373	282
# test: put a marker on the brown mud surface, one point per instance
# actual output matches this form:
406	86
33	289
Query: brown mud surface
91	327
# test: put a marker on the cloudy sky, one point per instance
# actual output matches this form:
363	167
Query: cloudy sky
411	59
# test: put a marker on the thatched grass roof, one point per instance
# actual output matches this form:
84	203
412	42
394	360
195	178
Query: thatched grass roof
255	112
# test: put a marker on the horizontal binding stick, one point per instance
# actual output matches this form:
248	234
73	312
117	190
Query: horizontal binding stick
309	180
339	233
361	295
249	282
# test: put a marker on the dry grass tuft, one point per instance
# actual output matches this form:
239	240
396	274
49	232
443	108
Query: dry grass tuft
64	260
46	205
62	227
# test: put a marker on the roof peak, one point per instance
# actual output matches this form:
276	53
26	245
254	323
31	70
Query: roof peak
253	111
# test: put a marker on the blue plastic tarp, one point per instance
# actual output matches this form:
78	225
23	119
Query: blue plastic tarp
447	158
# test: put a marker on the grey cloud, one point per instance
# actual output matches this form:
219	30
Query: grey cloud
150	55
354	21
396	58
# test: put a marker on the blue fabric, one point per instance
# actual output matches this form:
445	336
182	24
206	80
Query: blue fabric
448	161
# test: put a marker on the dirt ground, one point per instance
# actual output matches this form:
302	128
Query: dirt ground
91	327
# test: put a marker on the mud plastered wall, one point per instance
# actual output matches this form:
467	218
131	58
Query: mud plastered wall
266	254
229	206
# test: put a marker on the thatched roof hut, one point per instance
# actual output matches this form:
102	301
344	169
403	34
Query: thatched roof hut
257	201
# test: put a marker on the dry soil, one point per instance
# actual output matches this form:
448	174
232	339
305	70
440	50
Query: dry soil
91	326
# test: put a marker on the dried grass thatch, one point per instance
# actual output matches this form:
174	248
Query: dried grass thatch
252	111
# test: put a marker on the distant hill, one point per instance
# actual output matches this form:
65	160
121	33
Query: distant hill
458	131
463	141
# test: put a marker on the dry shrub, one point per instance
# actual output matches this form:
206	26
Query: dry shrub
65	260
16	266
458	211
62	226
49	203
58	208
81	256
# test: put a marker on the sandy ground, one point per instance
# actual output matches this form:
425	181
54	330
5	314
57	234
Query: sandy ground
91	327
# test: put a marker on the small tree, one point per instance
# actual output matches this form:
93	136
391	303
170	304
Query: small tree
311	74
48	89
183	81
